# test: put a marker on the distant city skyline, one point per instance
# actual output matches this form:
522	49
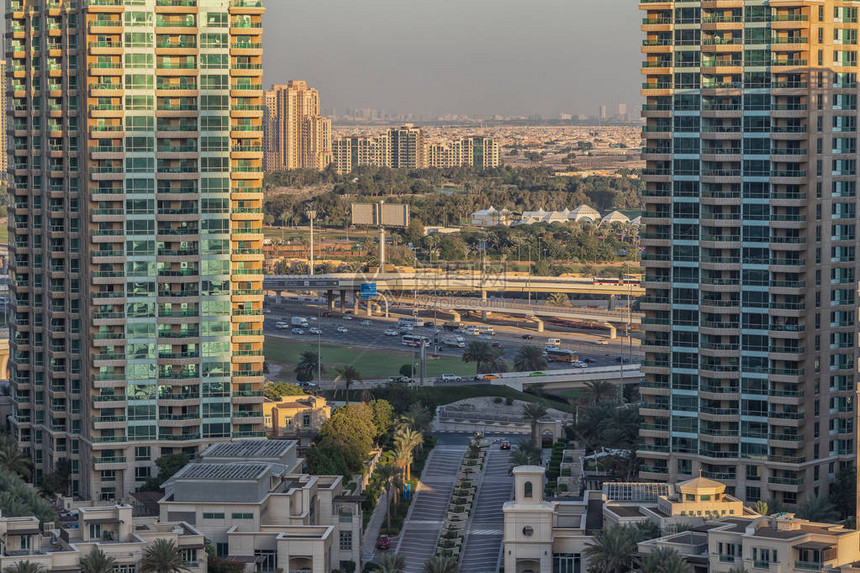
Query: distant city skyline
480	58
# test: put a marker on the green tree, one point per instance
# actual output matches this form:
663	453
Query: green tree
58	480
163	556
327	459
97	561
13	459
611	550
526	454
351	428
529	358
844	494
25	566
391	563
817	509
558	299
482	354
441	564
383	416
167	466
534	412
414	231
407	440
387	475
276	390
348	374
665	560
309	363
761	507
417	418
600	391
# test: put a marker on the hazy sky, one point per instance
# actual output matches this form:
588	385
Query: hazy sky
508	57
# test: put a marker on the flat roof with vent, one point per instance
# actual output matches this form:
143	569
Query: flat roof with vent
245	449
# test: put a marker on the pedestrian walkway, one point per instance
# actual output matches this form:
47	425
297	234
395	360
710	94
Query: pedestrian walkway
371	532
423	525
482	548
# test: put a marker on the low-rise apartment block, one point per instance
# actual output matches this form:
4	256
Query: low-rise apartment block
296	417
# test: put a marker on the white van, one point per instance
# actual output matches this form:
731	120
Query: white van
281	325
553	342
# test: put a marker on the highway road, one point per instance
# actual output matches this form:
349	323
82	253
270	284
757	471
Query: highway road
360	333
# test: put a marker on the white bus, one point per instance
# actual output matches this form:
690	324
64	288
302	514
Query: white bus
410	321
479	330
413	340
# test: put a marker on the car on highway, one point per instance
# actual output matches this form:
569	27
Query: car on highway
365	322
527	337
392	332
314	330
602	341
451	378
298	331
282	325
622	359
347	317
588	360
486	377
579	364
342	329
537	374
497	345
401	379
505	445
326	313
383	543
405	329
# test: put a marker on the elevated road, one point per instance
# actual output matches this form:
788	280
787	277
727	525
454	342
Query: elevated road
448	282
569	379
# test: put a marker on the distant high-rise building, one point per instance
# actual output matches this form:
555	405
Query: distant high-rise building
622	111
750	245
352	152
603	112
407	147
296	136
136	207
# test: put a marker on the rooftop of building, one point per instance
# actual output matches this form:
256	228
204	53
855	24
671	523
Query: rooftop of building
223	472
245	449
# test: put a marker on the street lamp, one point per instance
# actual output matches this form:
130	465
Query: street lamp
312	215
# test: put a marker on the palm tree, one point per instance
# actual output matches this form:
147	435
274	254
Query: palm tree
407	440
665	560
387	474
163	556
645	530
391	563
25	566
533	412
761	507
558	299
600	391
348	374
481	353
441	564
96	561
817	509
13	459
309	364
611	550
416	418
526	454
529	358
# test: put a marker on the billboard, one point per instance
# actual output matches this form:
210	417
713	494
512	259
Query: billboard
368	291
375	214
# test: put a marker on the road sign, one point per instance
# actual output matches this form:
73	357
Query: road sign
367	291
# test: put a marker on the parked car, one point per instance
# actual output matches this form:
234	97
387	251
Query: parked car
298	331
451	378
401	379
527	337
497	345
342	329
383	543
314	330
505	445
392	332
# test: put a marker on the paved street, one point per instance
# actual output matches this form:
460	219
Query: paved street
483	545
427	513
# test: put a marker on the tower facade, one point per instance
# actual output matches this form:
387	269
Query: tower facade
297	137
136	261
750	368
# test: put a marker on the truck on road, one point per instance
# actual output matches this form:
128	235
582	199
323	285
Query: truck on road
455	341
299	321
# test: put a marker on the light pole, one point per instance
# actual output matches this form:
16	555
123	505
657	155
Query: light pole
319	351
312	215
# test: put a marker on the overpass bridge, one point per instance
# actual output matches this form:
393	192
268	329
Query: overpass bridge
425	282
454	305
574	378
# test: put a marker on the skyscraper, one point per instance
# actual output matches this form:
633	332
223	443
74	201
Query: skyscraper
135	232
750	369
408	150
296	135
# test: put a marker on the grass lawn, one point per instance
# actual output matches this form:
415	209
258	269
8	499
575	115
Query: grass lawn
370	362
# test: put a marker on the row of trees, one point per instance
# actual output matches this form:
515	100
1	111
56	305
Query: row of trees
395	563
488	358
162	556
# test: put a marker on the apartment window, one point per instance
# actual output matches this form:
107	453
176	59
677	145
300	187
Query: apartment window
141	474
346	540
213	516
242	516
753	493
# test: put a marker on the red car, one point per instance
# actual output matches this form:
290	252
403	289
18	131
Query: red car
383	542
326	313
505	445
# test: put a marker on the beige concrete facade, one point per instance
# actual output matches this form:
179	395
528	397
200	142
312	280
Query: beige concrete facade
295	135
750	371
135	232
296	417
